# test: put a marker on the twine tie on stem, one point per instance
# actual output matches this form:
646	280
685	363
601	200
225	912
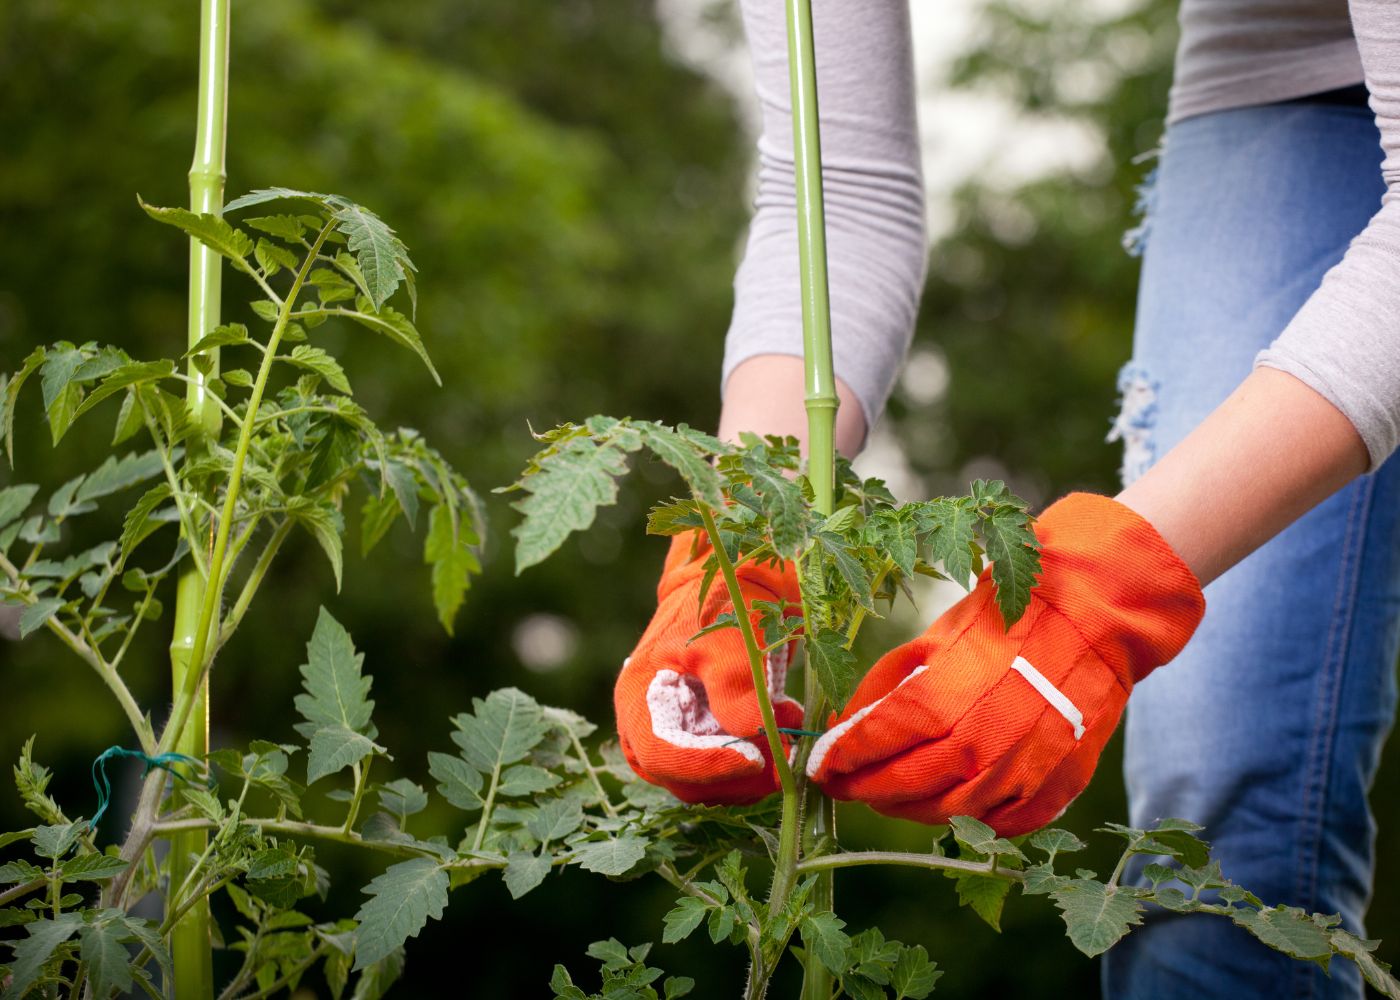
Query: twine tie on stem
164	761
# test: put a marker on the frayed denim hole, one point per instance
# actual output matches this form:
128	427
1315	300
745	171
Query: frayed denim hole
1136	420
1135	239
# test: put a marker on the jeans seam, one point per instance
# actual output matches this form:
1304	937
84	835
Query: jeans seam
1320	751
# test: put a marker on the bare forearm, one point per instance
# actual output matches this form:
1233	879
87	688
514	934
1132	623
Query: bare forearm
765	395
1268	454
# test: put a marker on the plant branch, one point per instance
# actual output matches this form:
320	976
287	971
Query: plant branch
10	895
853	859
608	807
173	481
88	655
760	680
254	581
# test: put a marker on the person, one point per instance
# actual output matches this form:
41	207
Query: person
1260	407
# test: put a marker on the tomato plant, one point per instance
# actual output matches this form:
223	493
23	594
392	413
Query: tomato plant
232	460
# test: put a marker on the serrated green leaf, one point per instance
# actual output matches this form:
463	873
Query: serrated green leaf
913	975
381	256
1286	929
263	195
985	895
325	524
35	615
823	935
677	986
682	920
377	516
334	748
1360	951
287	227
1096	916
32	953
227	335
61	503
458	782
14	500
101	947
116	474
893	533
448	549
273	258
32	363
848	567
953	525
93	868
19	870
835	665
401	901
612	953
211	230
555	819
526	779
524	871
565	495
336	689
783	506
980	837
506	726
402	797
611	857
1055	841
683	456
1015	555
237	377
314	359
138	525
721	923
62	392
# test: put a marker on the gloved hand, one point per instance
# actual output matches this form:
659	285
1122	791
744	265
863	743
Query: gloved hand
687	715
1007	726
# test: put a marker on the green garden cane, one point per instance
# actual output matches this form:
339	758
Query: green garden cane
820	397
191	942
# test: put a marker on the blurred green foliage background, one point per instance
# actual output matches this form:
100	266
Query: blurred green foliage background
574	198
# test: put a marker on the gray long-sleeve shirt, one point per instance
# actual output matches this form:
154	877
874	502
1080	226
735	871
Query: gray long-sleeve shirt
1344	342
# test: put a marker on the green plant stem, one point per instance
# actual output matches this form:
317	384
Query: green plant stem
184	698
790	830
254	581
361	783
821	398
608	807
92	658
19	891
1118	870
760	681
853	859
187	524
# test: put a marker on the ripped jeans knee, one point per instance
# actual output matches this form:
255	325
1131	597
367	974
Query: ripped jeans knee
1136	421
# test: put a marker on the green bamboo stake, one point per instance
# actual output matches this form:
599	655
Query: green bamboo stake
820	383
821	399
190	942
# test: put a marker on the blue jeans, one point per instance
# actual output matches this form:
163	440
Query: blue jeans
1268	727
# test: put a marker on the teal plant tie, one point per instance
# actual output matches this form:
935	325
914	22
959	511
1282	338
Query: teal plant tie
163	761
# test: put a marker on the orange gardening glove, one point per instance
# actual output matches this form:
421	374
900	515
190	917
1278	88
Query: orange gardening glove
1007	726
687	714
